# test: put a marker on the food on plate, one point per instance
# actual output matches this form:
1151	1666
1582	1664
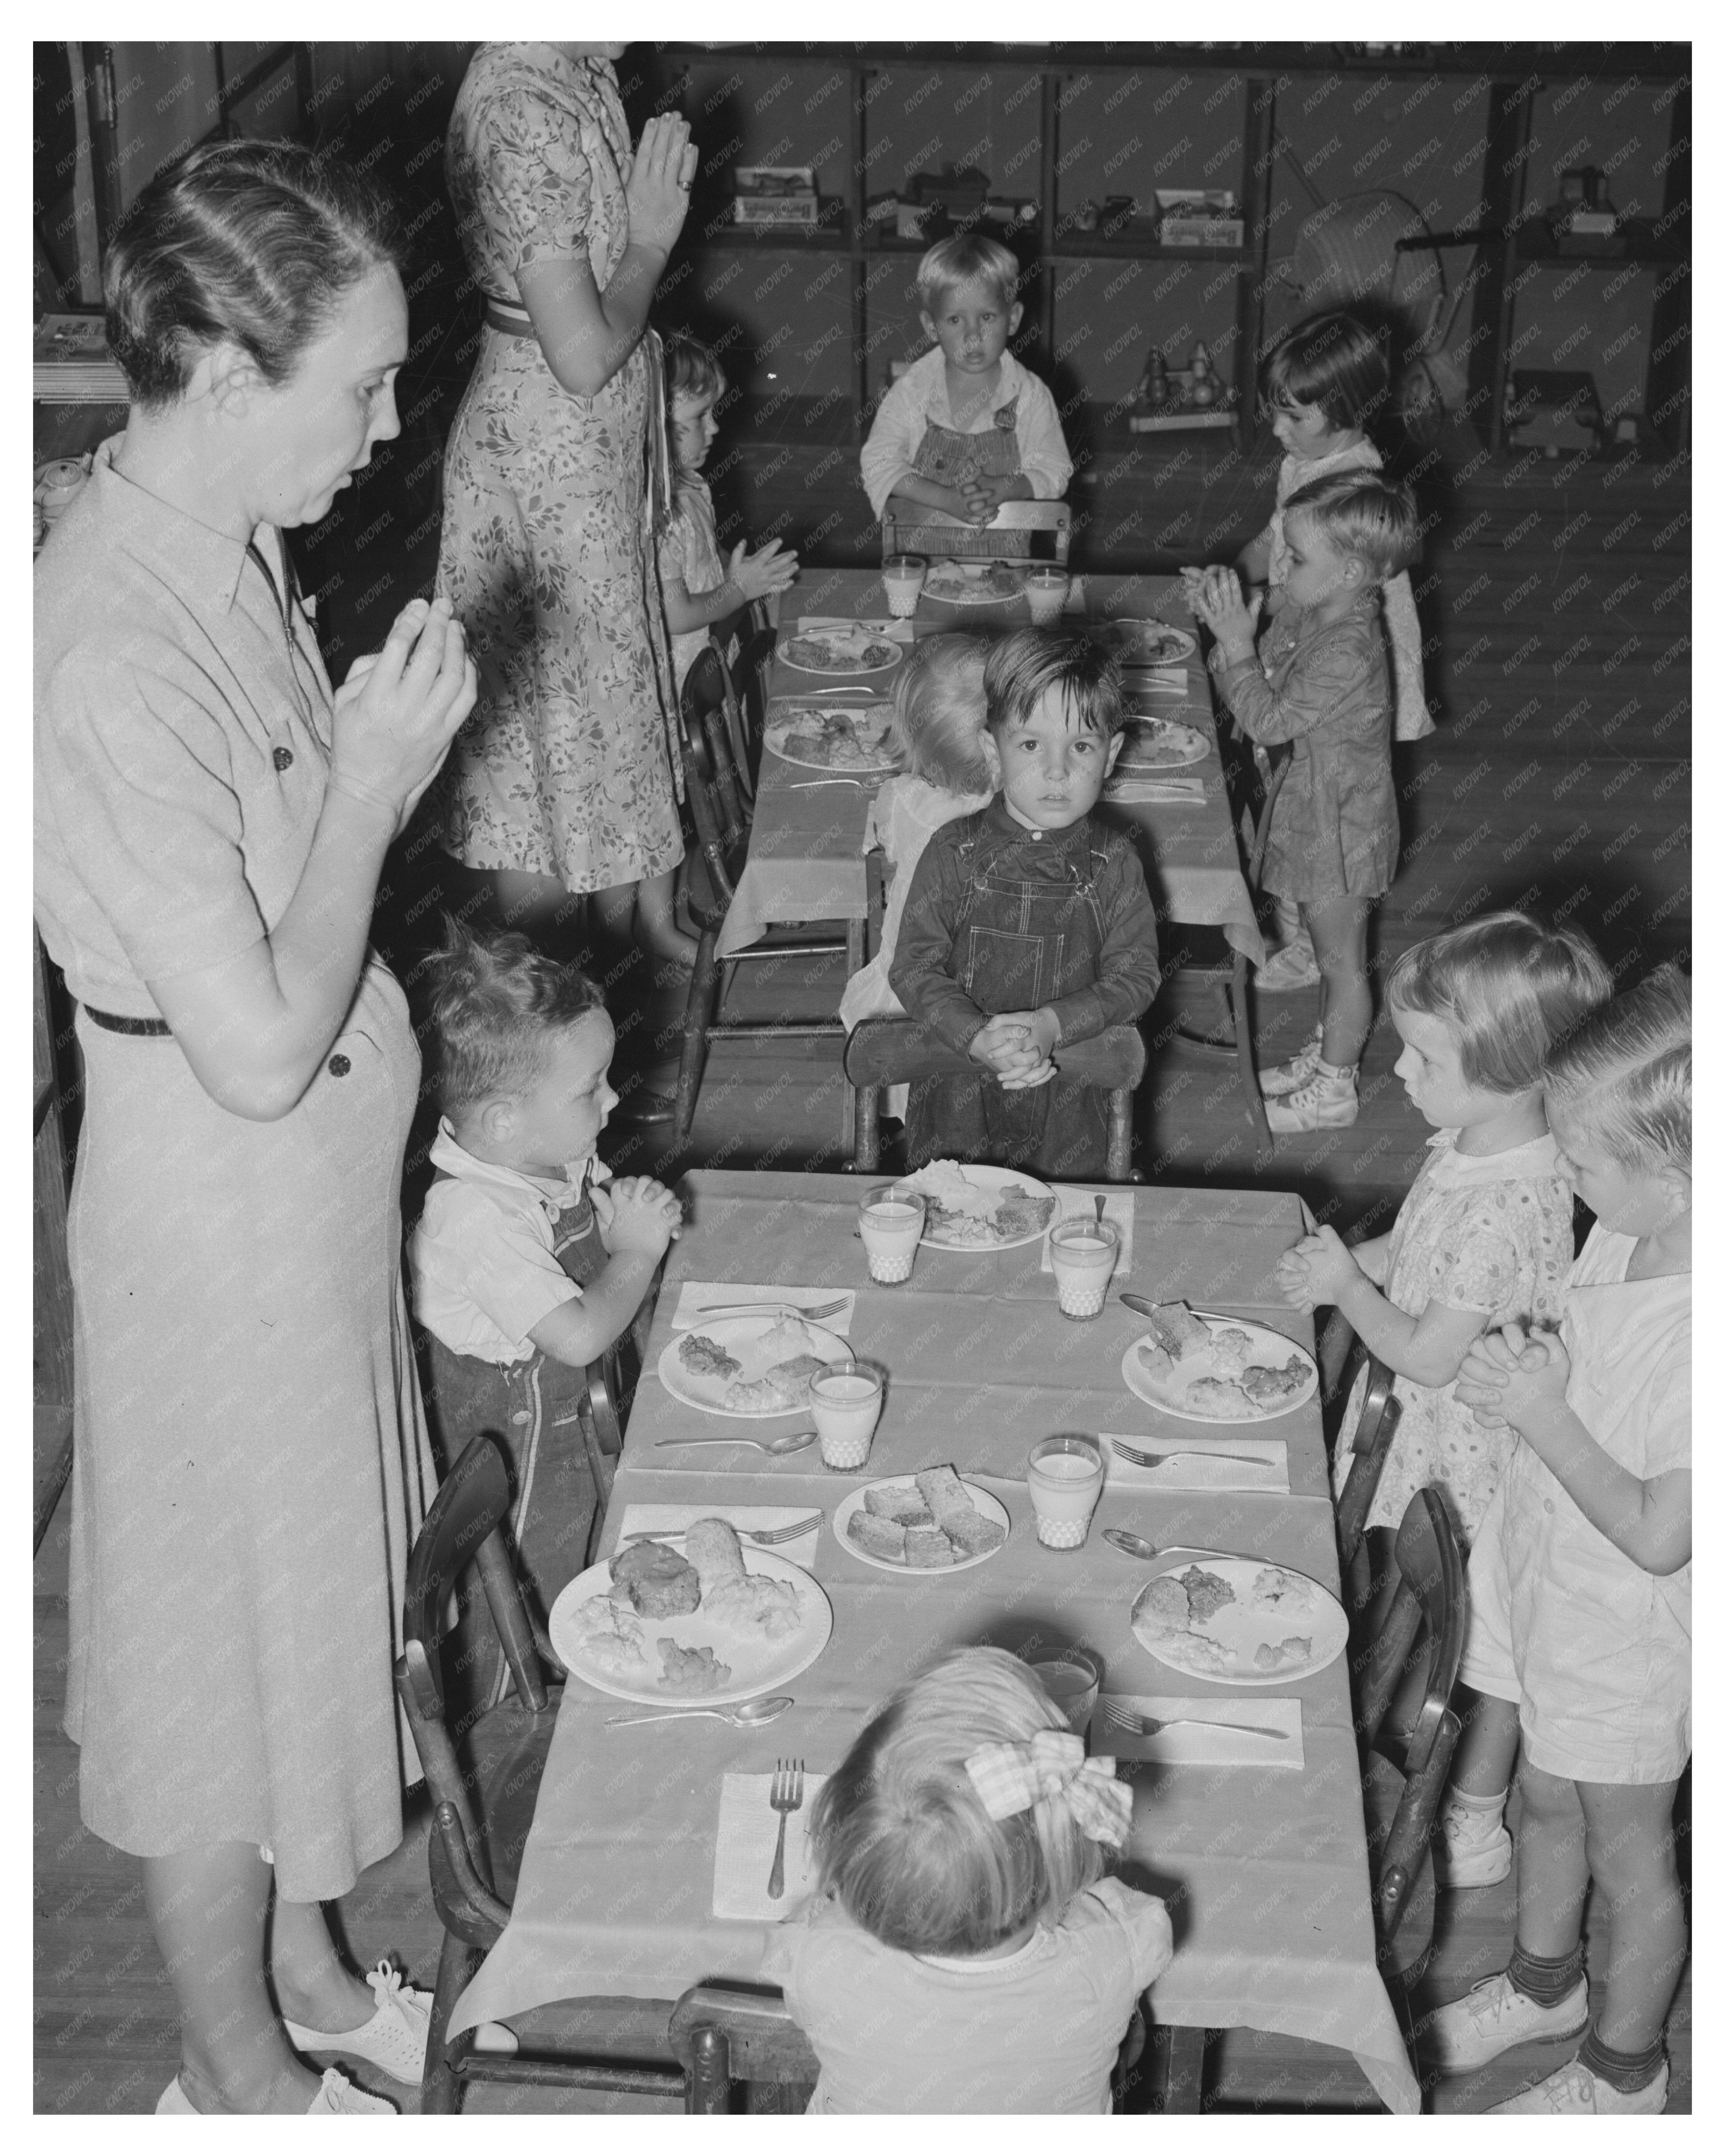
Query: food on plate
1230	1350
1153	643
927	1549
1267	1387
690	1669
1176	1330
1164	1607
1154	744
603	1630
838	741
715	1552
1285	1592
790	1337
783	1387
654	1579
1220	1397
850	650
1206	1657
954	1515
879	1537
974	580
963	1216
702	1358
1206	1593
1157	1362
1282	1653
887	1502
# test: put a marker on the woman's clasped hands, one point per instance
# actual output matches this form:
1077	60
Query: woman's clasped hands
660	178
400	708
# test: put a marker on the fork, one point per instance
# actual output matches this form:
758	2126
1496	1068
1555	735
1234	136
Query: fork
1136	1459
748	1309
802	785
1147	1725
785	1796
793	1531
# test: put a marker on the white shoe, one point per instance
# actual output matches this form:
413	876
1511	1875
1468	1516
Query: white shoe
1495	2017
335	2093
1281	1078
1575	2088
1470	1848
394	2038
1323	1103
1292	966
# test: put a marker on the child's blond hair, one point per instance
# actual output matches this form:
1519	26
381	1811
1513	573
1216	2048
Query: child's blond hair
1507	987
900	1835
1624	1074
498	1007
940	714
1362	514
968	258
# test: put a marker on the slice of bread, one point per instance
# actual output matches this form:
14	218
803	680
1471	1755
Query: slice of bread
1176	1330
715	1552
897	1503
970	1534
879	1538
926	1548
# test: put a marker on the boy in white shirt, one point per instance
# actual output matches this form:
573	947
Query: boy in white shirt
967	427
528	1261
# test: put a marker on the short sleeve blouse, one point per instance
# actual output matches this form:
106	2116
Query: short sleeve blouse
537	152
182	738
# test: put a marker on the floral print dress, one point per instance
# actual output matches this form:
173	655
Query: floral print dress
568	767
1491	1232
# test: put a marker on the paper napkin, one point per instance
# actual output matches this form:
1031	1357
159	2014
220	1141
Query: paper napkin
1191	1469
894	629
1133	788
669	1519
748	1834
1195	1746
687	1318
1081	1205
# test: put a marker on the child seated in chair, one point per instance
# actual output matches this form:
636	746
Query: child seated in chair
1027	923
966	427
528	1261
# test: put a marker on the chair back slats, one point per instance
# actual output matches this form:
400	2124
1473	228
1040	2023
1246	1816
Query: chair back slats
721	2033
1019	531
1380	1411
892	1051
707	750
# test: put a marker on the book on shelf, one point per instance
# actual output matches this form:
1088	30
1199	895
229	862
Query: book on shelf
71	363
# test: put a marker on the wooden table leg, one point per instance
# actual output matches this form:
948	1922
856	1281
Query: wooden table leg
1183	2092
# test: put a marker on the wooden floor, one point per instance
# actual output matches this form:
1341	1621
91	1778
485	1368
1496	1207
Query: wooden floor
1555	604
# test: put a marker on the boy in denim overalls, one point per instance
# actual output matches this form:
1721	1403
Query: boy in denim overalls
528	1261
966	427
1028	922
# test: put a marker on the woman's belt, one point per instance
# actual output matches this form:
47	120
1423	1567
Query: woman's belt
147	1028
513	322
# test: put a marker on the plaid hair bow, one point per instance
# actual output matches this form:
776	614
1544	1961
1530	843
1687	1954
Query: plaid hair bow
1010	1778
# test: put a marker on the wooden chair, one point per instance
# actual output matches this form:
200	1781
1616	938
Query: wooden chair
892	1051
1019	531
726	2033
711	870
1380	1412
745	642
483	1805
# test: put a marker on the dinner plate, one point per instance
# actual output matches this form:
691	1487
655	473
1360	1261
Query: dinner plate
1167	1390
740	1338
1151	643
755	1665
986	1502
995	1181
995	583
824	651
818	742
1271	1606
1153	744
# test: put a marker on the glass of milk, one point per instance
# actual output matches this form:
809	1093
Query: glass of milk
890	1222
1083	1253
847	1406
1046	588
902	574
1072	1680
1065	1479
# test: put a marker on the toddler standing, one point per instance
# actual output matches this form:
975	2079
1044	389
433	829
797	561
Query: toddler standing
1321	385
1027	922
966	427
1317	690
1580	1582
940	728
698	585
966	1954
527	1262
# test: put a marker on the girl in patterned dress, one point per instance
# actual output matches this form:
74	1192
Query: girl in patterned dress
566	779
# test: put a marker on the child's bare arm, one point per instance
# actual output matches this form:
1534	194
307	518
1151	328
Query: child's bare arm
1510	1378
1430	1348
749	576
639	1218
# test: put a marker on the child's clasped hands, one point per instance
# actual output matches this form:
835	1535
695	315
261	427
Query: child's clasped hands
635	1213
1216	597
1018	1047
1514	1377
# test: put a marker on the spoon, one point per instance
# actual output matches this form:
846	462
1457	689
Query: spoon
1123	1538
787	1440
1137	1302
749	1716
1100	1201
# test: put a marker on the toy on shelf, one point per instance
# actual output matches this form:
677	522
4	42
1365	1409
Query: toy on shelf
775	194
1171	399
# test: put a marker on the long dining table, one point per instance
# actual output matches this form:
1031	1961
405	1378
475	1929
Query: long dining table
805	857
1263	1865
